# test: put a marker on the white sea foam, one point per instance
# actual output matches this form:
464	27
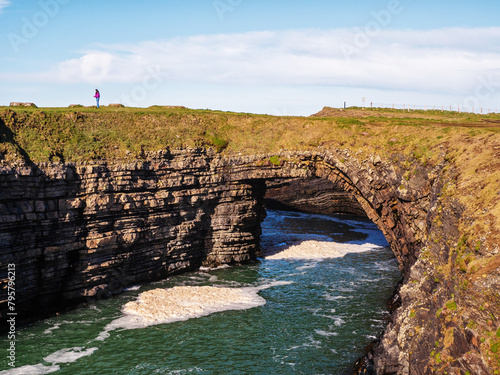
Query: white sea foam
180	303
54	327
69	355
183	303
272	284
318	250
133	288
58	325
326	334
339	322
207	269
105	334
352	271
341	289
387	266
374	280
331	298
308	266
198	277
39	369
187	371
313	342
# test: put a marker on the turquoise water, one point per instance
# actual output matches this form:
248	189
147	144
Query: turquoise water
318	317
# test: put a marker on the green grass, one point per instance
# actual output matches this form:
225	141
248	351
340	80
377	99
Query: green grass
451	305
83	134
275	160
495	347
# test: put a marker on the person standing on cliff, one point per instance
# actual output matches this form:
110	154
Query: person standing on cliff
97	96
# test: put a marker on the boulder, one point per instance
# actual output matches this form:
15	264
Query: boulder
20	104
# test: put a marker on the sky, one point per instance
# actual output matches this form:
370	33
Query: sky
277	57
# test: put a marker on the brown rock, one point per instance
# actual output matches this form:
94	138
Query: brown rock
21	104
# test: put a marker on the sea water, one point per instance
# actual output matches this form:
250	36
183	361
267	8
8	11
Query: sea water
310	305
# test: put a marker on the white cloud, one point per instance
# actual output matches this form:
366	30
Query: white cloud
444	60
96	66
4	4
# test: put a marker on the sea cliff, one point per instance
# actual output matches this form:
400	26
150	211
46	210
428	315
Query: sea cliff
84	229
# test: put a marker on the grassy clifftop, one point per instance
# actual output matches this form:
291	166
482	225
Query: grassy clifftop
86	134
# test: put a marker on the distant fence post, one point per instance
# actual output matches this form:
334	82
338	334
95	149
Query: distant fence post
427	107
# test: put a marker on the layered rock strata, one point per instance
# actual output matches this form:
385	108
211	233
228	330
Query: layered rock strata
87	231
76	232
313	195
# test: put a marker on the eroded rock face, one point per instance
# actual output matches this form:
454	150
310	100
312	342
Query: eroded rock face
76	232
313	195
22	104
88	231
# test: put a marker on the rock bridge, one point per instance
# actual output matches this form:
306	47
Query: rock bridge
66	226
86	231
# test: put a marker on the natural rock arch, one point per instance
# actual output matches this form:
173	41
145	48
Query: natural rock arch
71	227
397	205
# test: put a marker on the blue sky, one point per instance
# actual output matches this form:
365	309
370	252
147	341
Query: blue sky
262	56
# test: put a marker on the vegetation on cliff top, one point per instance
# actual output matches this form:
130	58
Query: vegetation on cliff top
85	134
